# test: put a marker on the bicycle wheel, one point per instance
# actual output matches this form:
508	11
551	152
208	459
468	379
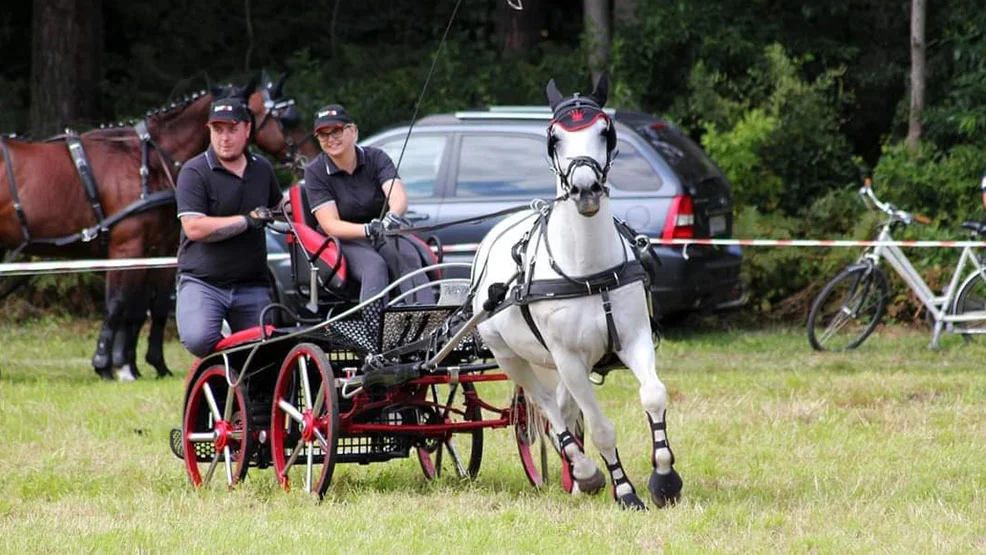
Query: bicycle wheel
848	309
971	303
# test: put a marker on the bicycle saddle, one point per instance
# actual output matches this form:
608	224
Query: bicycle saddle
979	228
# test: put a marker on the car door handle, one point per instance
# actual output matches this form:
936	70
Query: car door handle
416	216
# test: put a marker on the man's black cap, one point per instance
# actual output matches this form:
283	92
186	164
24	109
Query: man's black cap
230	110
332	115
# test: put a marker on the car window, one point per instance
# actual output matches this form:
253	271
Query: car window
632	172
421	164
684	156
503	165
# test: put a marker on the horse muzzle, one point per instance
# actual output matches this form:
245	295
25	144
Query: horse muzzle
588	199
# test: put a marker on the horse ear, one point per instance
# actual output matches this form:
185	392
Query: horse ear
278	87
248	89
215	90
554	95
601	90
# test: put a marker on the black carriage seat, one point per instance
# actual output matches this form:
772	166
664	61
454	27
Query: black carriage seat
979	228
332	275
307	240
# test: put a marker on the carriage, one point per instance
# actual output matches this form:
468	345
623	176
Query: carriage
350	382
383	379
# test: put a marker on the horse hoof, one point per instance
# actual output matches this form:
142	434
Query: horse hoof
593	484
630	502
164	372
665	489
106	374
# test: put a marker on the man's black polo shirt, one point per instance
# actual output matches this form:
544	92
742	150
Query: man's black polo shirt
205	187
359	196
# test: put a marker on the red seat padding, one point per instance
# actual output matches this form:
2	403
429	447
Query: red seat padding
242	336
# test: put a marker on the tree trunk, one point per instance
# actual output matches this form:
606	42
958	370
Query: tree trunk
597	26
66	52
918	71
624	11
519	31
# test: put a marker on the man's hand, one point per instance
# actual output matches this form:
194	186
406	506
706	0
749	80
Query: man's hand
394	221
259	217
373	230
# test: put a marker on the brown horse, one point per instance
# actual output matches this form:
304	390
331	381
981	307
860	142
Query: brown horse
54	204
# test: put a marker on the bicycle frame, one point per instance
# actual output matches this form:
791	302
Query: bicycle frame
939	306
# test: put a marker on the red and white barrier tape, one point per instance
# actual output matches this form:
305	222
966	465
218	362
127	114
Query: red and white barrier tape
78	266
815	243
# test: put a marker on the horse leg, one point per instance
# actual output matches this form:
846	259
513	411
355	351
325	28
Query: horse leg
574	374
102	360
665	483
160	304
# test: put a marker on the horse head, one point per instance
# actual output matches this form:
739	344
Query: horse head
286	138
581	145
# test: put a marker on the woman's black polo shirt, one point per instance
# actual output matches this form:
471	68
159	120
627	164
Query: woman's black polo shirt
359	196
205	187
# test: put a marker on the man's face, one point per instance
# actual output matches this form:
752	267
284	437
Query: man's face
337	140
229	140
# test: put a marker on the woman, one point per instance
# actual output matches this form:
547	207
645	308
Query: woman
347	186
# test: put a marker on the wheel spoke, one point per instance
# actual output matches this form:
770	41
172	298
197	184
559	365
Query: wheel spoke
211	470
230	404
202	437
459	468
289	409
308	468
322	441
438	459
293	458
211	400
306	389
544	459
229	465
319	399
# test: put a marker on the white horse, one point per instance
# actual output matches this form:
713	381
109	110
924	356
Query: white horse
575	245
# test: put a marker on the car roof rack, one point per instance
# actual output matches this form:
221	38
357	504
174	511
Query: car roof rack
515	112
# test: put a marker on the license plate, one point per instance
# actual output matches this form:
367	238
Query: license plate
717	225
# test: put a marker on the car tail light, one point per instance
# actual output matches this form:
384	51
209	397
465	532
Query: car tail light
680	223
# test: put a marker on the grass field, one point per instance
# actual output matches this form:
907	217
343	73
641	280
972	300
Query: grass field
781	450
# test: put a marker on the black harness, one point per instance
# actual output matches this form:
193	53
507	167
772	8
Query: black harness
147	200
525	290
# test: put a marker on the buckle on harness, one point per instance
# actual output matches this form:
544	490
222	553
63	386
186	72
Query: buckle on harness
90	233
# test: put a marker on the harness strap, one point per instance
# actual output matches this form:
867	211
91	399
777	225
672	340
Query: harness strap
525	311
18	208
82	167
614	337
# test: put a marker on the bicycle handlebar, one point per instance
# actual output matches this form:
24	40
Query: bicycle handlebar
866	191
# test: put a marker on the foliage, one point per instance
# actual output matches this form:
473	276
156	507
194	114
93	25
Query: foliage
775	135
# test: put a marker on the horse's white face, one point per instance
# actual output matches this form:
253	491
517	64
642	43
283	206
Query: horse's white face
585	189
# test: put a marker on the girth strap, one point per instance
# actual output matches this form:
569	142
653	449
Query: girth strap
84	170
18	208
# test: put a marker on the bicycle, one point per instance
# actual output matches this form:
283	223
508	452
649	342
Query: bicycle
850	306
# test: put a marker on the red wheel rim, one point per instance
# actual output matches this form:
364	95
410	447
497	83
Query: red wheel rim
305	420
215	440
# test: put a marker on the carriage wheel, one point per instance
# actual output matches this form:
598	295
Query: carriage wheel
539	453
215	430
461	452
305	421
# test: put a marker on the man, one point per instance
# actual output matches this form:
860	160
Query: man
347	186
224	195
